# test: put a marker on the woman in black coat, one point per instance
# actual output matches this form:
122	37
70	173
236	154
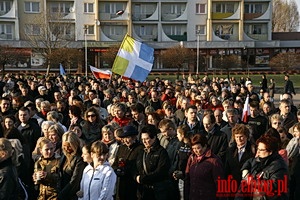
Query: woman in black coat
125	163
71	167
8	172
266	176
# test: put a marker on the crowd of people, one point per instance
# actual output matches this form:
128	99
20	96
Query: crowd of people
83	138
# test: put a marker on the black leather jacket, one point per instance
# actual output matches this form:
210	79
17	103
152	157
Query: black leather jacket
157	165
8	180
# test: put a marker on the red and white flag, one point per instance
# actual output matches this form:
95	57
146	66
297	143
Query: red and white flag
98	73
246	111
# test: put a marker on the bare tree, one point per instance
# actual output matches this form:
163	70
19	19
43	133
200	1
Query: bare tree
228	63
67	57
176	57
285	16
8	56
284	61
51	32
109	55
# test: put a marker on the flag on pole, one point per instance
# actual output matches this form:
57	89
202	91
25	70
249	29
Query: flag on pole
246	111
98	73
61	70
134	59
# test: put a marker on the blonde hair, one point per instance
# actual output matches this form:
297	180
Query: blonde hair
275	117
44	141
57	129
54	116
74	142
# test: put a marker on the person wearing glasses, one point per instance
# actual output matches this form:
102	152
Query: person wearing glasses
268	167
91	126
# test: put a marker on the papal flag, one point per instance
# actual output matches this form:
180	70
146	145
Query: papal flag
134	59
98	73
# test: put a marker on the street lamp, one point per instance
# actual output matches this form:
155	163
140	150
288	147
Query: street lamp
247	60
198	46
85	49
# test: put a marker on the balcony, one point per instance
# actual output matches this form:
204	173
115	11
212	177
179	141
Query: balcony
7	8
146	32
173	11
6	36
61	10
144	11
108	10
258	36
113	32
225	31
256	31
225	10
176	32
255	10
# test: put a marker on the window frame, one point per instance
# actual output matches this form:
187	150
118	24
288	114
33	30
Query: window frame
31	3
198	8
87	8
198	28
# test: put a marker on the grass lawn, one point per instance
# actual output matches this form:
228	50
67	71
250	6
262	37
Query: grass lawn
256	78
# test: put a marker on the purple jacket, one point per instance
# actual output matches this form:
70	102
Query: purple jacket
202	175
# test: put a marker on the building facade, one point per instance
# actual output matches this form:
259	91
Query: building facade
213	27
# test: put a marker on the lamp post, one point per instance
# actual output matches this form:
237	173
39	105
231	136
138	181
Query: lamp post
198	46
247	58
85	49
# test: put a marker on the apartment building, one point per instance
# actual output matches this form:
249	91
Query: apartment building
219	27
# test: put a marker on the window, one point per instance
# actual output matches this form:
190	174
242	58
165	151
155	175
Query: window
200	8
224	8
88	7
5	6
32	29
32	7
56	7
257	29
175	29
253	8
6	31
117	30
145	30
112	8
200	29
90	29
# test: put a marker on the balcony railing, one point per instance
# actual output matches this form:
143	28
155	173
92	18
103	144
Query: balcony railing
170	16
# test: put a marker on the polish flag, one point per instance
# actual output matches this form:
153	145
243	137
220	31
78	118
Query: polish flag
246	111
98	73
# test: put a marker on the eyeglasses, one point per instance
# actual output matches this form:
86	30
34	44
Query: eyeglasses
91	115
262	150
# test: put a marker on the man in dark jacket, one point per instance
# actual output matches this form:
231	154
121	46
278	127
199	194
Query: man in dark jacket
217	140
125	163
257	122
191	120
168	129
289	86
153	166
31	132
